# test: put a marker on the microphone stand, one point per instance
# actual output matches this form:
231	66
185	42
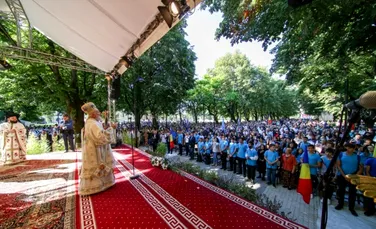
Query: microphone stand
328	175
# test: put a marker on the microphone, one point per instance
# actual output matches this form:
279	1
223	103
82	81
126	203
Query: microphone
367	101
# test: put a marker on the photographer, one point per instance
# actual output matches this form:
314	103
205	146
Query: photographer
66	128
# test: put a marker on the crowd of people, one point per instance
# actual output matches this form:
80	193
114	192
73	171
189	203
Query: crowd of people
274	151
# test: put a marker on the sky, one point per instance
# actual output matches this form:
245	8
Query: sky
201	31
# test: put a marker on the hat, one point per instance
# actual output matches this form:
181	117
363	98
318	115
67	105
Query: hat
89	108
11	114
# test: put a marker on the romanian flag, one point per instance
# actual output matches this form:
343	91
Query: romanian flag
270	122
172	145
305	184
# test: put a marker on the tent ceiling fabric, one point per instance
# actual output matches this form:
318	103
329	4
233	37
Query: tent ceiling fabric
97	31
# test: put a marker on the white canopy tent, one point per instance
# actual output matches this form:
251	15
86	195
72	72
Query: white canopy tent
99	32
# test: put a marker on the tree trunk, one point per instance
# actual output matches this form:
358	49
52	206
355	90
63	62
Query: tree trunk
216	119
195	115
155	122
180	114
78	123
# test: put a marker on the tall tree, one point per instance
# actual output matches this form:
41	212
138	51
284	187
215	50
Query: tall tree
161	77
325	42
236	89
40	88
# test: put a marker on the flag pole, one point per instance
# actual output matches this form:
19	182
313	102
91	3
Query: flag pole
328	175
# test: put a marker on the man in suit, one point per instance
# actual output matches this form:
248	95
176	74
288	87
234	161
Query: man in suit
192	142
155	140
66	127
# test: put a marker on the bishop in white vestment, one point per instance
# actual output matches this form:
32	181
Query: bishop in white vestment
12	140
96	173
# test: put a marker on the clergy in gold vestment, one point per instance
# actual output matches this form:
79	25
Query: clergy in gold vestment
96	173
12	140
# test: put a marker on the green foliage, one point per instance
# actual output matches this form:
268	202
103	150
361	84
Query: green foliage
57	145
236	89
167	70
161	150
35	146
317	46
33	89
128	139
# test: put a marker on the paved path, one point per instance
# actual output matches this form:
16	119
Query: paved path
292	204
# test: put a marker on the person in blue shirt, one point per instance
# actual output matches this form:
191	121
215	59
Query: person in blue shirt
66	127
180	142
271	158
208	148
325	160
224	149
347	163
304	144
314	161
201	149
232	155
364	154
369	204
240	157
252	157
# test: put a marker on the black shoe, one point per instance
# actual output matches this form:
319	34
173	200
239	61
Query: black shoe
274	186
259	177
338	207
268	183
263	178
369	213
289	188
285	186
353	212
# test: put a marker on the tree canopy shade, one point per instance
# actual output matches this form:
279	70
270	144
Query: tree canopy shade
236	89
33	89
320	44
159	80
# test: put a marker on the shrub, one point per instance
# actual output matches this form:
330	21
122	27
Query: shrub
57	145
35	146
127	138
161	150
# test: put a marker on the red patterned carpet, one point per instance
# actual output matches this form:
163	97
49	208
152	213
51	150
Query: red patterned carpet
38	194
42	193
196	203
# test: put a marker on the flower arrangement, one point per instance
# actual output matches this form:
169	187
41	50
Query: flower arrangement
159	162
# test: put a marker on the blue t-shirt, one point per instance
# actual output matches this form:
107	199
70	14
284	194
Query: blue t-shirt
313	159
242	149
349	163
197	137
299	157
364	157
180	138
326	161
304	146
223	145
208	146
201	147
251	153
372	163
233	147
271	156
